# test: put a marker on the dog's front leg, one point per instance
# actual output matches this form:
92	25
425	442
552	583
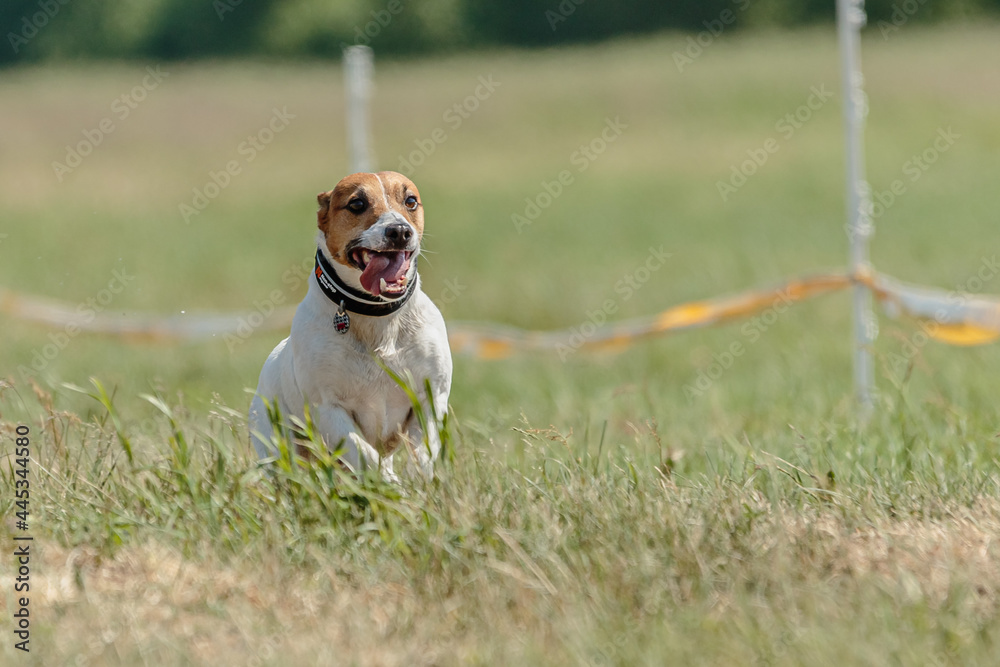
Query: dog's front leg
338	429
425	453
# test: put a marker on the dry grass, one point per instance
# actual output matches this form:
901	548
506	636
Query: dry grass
151	601
564	559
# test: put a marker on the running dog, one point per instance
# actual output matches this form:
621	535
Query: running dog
364	305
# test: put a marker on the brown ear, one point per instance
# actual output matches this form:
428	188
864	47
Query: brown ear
323	215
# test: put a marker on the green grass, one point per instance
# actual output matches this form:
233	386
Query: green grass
594	512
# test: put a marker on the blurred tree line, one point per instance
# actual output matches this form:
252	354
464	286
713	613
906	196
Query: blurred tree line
37	30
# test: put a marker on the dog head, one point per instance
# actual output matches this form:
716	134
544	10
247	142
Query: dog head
371	225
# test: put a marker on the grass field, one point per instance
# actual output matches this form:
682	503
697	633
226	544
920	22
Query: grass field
595	510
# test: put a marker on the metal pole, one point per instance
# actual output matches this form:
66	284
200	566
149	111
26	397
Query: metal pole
358	68
850	18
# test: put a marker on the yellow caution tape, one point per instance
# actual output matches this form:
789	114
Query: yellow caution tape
950	317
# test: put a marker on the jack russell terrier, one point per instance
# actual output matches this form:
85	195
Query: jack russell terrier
364	301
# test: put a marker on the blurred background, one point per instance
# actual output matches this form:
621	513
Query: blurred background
172	29
163	157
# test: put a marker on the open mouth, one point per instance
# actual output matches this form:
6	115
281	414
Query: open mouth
383	273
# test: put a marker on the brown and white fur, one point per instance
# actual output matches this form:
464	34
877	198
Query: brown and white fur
354	404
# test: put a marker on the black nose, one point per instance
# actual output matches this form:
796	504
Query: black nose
398	233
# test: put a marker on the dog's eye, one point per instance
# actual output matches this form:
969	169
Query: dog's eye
411	202
357	205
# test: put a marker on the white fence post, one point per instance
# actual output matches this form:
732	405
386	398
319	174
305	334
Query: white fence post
358	67
850	19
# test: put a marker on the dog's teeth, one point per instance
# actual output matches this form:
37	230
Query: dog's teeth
381	284
403	280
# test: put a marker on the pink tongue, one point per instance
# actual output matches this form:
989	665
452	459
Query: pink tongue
389	265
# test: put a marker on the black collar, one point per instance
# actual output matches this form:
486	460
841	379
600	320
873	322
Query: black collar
354	300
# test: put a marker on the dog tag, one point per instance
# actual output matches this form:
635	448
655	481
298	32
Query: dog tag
342	321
